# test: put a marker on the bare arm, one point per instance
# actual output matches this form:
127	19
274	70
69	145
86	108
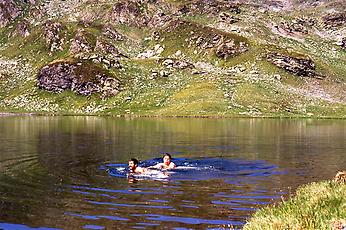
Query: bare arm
157	166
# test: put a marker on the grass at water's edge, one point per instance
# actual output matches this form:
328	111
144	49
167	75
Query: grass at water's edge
319	205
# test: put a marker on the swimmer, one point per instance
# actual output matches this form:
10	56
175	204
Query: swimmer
167	163
134	168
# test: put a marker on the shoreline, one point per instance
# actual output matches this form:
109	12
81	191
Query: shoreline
8	114
317	205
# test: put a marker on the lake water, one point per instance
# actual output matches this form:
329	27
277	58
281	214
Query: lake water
67	172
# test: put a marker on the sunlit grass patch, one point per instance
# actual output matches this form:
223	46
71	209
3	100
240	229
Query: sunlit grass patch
197	98
315	206
264	99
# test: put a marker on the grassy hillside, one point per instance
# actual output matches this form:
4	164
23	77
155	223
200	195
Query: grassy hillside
177	58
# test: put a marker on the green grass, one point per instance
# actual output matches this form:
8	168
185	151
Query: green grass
315	206
196	99
182	93
184	36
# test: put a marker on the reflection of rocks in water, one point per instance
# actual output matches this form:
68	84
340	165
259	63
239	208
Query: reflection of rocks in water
299	66
69	157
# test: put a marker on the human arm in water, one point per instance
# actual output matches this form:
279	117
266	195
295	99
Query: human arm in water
163	166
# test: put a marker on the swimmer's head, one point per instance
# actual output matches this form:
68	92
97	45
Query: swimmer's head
133	163
167	158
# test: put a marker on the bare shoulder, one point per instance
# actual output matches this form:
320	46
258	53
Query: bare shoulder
141	170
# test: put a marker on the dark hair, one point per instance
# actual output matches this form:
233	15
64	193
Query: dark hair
135	161
167	154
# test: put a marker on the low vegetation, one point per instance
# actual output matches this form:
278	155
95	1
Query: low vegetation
175	58
315	206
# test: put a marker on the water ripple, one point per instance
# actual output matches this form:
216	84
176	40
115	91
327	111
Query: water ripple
188	220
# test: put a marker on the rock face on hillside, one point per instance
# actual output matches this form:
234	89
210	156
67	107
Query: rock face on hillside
54	35
229	49
343	43
110	32
335	19
129	12
299	66
153	50
81	77
23	28
80	43
209	7
9	10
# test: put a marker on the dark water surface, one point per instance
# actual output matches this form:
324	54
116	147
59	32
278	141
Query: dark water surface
68	172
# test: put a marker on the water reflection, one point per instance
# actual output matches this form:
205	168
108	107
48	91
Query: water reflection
51	169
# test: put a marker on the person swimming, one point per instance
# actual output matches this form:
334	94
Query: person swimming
136	172
167	163
134	168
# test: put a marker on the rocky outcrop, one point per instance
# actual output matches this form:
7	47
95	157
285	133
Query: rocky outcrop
129	12
106	48
204	40
213	7
110	32
155	52
227	18
159	19
340	177
9	10
293	27
335	19
56	77
304	67
107	61
96	49
80	43
229	49
23	28
54	36
82	77
343	43
175	63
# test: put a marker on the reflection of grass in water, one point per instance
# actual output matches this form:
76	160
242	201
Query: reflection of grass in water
316	206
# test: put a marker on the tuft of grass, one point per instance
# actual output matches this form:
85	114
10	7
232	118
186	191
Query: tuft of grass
319	205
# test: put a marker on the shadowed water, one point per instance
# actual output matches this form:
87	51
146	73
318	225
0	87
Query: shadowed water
70	172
